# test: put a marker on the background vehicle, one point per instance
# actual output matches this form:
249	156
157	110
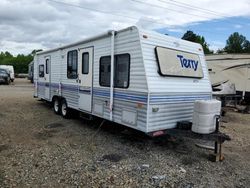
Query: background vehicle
31	71
10	68
4	76
231	68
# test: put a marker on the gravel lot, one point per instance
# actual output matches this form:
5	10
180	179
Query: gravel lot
41	149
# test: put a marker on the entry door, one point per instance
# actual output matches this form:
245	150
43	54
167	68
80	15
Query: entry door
47	77
85	62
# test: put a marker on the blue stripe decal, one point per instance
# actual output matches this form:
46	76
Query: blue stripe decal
173	97
85	91
41	83
55	85
123	95
69	87
169	99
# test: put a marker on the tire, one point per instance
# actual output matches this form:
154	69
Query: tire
7	81
65	111
57	105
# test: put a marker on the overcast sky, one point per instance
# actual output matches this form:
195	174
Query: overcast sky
43	24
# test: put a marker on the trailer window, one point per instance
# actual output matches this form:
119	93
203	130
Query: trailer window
72	64
122	63
47	66
41	71
105	71
85	63
173	62
121	71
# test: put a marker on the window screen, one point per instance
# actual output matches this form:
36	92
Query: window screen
47	66
41	71
85	63
72	64
121	70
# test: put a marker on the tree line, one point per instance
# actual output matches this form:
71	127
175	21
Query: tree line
236	43
19	62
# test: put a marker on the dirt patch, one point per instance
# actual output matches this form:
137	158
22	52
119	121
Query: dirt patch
41	149
53	125
45	134
112	157
2	184
189	160
3	147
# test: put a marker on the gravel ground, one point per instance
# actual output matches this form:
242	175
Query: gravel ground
41	149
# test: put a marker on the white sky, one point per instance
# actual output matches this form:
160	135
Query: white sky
32	24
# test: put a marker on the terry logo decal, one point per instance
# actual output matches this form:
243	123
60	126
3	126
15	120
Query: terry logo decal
188	63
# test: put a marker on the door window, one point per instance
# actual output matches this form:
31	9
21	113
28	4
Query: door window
41	71
85	63
47	66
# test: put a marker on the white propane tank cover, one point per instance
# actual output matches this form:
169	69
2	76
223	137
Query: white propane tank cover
204	116
207	106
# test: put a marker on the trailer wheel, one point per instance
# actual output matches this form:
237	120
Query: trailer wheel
65	111
57	106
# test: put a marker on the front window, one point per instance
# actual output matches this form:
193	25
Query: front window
3	71
121	71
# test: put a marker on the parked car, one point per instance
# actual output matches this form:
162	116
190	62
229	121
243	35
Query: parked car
4	76
9	68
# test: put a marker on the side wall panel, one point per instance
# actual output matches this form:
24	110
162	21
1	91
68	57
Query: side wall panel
131	100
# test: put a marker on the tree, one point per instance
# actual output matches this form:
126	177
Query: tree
237	43
191	36
246	47
20	62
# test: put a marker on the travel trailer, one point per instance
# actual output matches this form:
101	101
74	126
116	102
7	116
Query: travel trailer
10	68
231	69
141	79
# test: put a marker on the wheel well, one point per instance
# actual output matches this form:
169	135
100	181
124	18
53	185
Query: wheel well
56	97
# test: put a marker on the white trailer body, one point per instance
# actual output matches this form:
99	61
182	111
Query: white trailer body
156	79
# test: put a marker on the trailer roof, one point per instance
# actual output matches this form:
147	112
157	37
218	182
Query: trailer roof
107	33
